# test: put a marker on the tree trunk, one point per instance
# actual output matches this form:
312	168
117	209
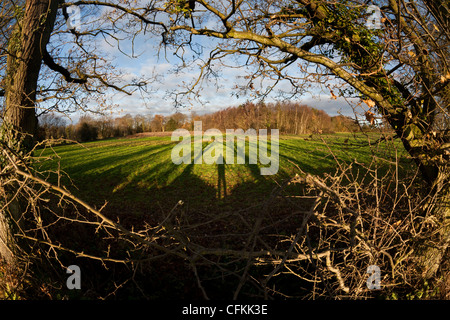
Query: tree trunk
431	257
25	51
433	162
26	48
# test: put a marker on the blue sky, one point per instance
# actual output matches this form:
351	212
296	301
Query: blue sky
213	95
156	102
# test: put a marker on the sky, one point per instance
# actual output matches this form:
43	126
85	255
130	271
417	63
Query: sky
214	96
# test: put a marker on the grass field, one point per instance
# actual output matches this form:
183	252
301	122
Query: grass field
137	176
225	206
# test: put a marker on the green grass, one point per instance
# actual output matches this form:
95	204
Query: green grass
137	176
141	184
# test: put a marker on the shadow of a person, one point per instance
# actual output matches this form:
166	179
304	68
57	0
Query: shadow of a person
221	181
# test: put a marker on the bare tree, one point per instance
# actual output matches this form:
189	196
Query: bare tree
400	67
34	36
158	123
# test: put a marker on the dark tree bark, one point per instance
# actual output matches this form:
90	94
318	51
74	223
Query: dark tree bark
25	52
26	49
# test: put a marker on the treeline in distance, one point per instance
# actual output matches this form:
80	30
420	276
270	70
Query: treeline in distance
289	117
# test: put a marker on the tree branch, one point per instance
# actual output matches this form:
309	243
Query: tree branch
48	60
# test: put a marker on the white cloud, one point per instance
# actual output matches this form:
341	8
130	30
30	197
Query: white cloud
333	107
216	92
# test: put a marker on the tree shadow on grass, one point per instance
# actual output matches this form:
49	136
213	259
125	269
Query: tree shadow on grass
145	185
145	181
151	185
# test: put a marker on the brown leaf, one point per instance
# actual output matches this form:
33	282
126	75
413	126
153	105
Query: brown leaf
370	116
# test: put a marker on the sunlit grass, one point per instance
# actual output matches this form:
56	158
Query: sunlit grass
138	175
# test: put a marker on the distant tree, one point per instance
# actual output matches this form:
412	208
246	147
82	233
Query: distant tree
85	132
70	132
86	129
158	123
179	118
139	123
192	118
105	126
50	126
124	125
344	124
171	125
